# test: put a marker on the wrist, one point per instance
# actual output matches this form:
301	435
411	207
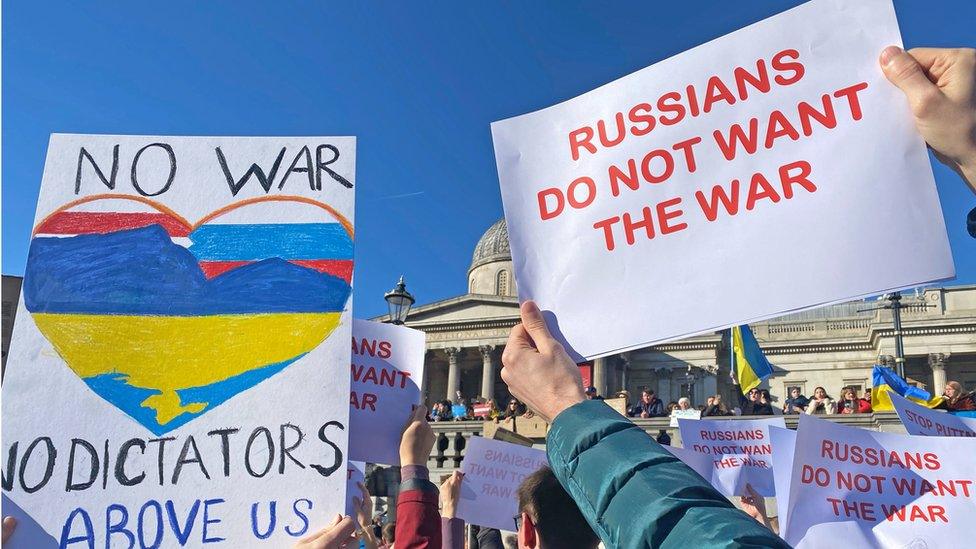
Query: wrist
562	404
448	511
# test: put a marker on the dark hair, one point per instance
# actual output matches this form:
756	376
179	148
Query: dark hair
648	391
389	532
554	513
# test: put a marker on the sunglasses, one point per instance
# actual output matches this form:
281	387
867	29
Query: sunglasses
518	522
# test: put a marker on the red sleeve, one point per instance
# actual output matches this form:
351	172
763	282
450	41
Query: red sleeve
418	524
865	406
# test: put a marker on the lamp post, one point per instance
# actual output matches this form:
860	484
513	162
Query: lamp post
896	306
399	300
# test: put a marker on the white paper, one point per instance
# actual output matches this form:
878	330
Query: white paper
829	455
355	473
763	261
919	420
739	450
699	462
683	414
183	315
387	372
493	471
783	441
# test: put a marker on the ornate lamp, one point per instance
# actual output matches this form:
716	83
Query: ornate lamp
399	301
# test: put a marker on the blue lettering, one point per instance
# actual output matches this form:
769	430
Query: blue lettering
182	534
119	527
302	515
207	521
142	527
89	530
271	523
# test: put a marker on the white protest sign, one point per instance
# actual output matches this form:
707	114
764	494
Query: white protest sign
355	473
387	372
677	414
919	420
783	441
879	489
739	449
699	462
177	372
493	471
777	145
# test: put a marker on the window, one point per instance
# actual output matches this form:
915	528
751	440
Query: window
471	286
501	286
856	384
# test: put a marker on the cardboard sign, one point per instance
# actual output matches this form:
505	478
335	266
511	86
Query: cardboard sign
783	442
677	414
782	139
177	368
739	449
919	420
493	471
874	489
387	372
355	473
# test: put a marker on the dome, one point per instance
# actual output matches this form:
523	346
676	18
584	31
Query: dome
493	246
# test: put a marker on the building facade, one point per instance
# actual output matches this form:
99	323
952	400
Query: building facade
832	346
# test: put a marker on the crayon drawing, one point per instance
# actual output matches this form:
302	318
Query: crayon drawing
166	319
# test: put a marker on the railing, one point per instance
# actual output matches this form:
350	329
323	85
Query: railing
452	436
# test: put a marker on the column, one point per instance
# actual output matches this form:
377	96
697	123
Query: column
600	376
487	371
453	372
710	380
937	361
663	384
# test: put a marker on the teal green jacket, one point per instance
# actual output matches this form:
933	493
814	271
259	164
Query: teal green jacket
635	494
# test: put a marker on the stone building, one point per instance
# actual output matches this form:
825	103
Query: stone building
831	346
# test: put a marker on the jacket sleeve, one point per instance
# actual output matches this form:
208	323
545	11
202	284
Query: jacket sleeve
418	524
635	494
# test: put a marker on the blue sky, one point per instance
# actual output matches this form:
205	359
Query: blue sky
417	82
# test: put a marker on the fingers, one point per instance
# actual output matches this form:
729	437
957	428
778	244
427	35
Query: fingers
904	71
535	325
338	534
363	490
418	414
318	534
9	525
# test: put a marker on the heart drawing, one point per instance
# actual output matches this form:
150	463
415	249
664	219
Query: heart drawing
166	319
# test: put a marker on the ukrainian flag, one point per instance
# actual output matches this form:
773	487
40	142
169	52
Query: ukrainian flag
749	362
886	381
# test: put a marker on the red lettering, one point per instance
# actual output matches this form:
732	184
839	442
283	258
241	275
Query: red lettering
641	114
801	178
617	175
607	226
686	147
716	91
780	65
850	93
664	216
668	166
630	227
590	192
730	203
671	103
601	129
736	136
544	211
759	180
827	118
779	126
760	83
386	349
581	138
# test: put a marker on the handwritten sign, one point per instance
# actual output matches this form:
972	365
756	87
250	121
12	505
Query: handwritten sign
782	136
919	420
387	372
151	394
493	471
739	450
355	473
677	414
876	489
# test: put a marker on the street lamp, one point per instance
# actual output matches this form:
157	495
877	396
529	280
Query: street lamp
399	301
896	306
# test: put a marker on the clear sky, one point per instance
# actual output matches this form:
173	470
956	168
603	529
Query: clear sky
417	82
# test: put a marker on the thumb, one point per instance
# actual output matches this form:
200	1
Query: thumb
902	70
535	324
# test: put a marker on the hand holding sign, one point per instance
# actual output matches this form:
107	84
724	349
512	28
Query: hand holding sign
418	439
537	369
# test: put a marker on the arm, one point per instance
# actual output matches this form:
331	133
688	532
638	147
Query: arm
452	528
418	523
633	492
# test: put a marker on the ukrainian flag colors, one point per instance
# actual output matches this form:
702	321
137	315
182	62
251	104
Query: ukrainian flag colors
885	381
751	366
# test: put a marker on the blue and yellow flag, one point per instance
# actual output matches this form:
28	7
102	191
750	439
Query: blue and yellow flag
751	366
885	380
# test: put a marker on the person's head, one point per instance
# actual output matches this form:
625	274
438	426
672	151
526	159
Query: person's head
590	392
795	392
820	393
764	396
753	395
953	390
646	396
549	516
684	403
717	400
867	393
848	393
710	401
389	532
623	394
671	406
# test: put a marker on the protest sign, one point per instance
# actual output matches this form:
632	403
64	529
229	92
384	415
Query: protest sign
481	410
875	489
780	140
387	372
493	471
783	441
699	462
739	450
919	420
683	414
177	373
355	473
